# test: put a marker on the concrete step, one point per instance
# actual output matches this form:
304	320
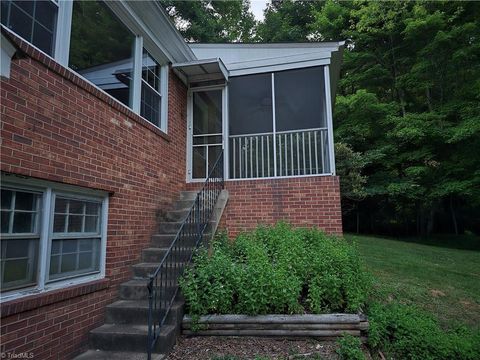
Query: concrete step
154	254
165	240
144	270
188	195
116	355
136	289
162	240
134	338
127	312
182	204
172	227
177	215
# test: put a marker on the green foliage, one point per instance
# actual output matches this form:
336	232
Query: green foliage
350	348
408	103
349	166
408	333
212	21
279	270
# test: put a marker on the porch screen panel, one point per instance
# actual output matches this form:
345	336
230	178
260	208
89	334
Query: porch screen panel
250	126
207	131
301	122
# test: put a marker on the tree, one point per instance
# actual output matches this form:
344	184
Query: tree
408	102
349	166
212	21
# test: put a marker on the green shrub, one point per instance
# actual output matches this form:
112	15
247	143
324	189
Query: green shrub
278	270
408	333
350	348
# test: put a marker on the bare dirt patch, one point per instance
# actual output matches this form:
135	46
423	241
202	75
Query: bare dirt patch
437	293
212	347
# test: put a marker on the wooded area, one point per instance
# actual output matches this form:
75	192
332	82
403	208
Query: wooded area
407	113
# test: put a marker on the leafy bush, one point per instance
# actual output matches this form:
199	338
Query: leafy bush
408	333
278	270
350	348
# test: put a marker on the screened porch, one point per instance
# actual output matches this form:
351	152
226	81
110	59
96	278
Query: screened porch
270	125
278	124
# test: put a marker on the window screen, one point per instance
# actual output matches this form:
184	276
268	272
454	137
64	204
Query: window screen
250	104
300	99
35	21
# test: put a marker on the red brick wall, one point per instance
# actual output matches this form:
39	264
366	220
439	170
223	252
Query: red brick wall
304	201
56	126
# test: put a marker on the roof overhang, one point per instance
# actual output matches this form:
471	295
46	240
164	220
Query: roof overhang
201	70
160	37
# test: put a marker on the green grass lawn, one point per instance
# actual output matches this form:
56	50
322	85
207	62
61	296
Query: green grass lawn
440	275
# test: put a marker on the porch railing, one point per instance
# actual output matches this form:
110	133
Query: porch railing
163	283
287	153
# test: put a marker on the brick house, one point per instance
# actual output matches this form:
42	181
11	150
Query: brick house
100	134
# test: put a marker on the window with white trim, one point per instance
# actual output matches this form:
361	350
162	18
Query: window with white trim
35	21
49	231
151	98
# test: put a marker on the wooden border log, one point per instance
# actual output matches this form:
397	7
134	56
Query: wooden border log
279	319
273	333
261	326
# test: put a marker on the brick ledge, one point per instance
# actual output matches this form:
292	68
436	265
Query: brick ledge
34	301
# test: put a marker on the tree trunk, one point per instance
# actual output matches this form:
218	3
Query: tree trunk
454	218
429	99
430	222
358	220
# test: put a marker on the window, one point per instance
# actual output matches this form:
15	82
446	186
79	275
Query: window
57	233
75	245
101	49
20	238
35	21
151	98
106	53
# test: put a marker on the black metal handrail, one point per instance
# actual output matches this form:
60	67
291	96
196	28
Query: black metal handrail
163	283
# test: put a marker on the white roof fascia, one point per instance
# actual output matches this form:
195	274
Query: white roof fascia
160	37
278	67
286	45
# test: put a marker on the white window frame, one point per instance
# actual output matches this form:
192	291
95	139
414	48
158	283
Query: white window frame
48	192
61	54
136	92
61	46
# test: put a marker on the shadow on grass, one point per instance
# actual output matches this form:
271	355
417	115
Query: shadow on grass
459	242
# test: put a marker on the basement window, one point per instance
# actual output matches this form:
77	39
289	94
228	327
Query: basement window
51	236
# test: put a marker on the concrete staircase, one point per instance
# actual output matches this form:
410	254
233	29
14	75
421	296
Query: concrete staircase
124	334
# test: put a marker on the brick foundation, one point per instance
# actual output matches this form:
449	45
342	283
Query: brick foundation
304	201
56	126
